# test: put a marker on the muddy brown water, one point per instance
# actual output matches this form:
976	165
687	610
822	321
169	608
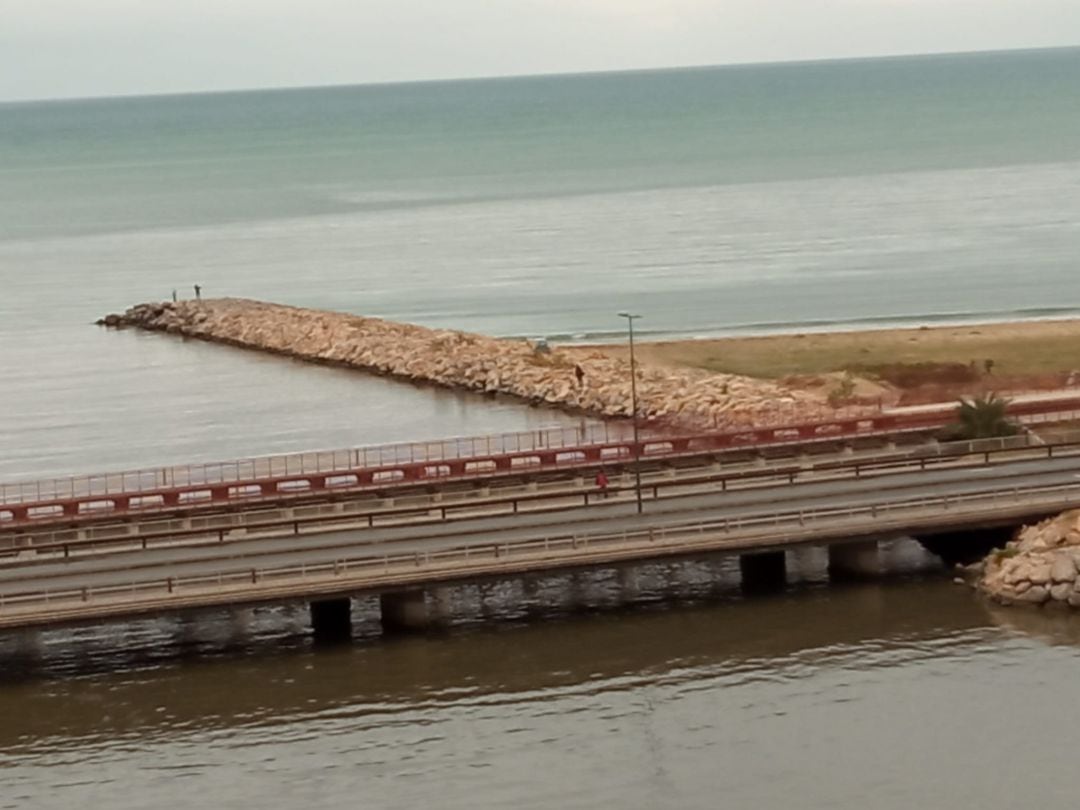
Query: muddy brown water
657	686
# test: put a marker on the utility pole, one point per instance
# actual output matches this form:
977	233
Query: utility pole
633	404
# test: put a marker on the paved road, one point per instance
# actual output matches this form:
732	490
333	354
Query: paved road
310	549
458	501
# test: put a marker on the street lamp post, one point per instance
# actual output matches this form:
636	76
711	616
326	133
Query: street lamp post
633	405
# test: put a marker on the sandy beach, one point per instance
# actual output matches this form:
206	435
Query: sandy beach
916	364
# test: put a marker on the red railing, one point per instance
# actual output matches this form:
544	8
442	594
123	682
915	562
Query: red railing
284	476
152	479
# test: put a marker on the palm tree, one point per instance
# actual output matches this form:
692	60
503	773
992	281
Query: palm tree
983	417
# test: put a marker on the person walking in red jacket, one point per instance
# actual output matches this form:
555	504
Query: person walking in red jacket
602	482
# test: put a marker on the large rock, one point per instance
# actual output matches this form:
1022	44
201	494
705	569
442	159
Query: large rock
1061	592
1063	569
1040	564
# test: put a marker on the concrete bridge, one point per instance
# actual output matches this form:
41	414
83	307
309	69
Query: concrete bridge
324	552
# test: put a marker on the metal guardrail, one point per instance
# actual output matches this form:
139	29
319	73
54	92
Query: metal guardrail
329	462
154	479
319	462
781	527
358	514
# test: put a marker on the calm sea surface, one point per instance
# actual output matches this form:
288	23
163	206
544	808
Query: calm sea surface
717	200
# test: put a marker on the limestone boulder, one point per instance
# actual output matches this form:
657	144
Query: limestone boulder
1041	564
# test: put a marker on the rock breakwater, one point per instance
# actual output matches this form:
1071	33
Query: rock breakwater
1041	565
596	383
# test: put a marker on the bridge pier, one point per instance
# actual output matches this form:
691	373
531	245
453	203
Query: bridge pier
404	611
629	587
442	604
855	560
331	619
763	571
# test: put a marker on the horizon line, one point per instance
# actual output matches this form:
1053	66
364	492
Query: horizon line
545	75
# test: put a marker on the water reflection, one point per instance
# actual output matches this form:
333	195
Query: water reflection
656	686
510	641
1052	624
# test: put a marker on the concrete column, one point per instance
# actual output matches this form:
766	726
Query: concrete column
240	619
331	619
403	611
442	604
628	583
862	559
577	591
28	645
763	571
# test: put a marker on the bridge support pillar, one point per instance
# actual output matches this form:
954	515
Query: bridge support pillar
331	619
404	611
862	559
763	571
442	604
628	583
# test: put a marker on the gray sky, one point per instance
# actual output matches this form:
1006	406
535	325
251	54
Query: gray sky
65	48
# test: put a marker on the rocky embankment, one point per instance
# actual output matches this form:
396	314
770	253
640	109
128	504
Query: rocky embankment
474	362
1041	565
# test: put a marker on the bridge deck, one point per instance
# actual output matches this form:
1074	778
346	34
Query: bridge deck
278	478
344	561
511	497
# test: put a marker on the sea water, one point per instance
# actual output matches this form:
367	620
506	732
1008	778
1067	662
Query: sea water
711	201
714	200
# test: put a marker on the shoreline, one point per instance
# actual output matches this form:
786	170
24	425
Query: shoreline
806	329
917	363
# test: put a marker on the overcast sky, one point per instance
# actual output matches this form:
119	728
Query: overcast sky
65	48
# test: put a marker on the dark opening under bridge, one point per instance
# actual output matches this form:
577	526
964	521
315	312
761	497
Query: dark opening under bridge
94	566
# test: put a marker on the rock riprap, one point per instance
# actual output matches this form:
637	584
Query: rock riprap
473	362
1041	565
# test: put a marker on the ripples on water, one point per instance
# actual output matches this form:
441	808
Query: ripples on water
649	687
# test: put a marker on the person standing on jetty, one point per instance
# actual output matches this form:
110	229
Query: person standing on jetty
579	372
198	293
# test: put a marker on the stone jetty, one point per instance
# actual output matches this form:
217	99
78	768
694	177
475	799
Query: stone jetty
1041	565
593	383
